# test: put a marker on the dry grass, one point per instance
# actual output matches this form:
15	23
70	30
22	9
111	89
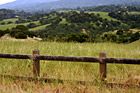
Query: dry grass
127	74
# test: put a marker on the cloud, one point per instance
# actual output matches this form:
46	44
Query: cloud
6	1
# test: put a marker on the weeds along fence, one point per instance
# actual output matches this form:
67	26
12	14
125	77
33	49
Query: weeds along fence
102	60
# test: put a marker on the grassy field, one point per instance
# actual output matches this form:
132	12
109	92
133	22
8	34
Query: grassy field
70	71
10	26
134	13
38	28
103	15
7	20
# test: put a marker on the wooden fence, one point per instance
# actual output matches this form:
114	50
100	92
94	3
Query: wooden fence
102	60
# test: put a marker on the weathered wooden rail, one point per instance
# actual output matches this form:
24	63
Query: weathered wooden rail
102	60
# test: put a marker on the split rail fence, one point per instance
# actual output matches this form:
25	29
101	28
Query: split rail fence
102	60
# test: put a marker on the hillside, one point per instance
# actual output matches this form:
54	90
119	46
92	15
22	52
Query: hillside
111	8
78	26
33	19
20	4
45	5
7	14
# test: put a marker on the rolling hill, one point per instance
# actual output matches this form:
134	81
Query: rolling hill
22	4
39	5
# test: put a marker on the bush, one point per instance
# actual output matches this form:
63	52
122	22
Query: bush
3	23
73	37
9	22
31	25
20	35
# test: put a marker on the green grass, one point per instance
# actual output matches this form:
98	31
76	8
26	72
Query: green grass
67	70
104	15
10	26
134	13
7	20
39	28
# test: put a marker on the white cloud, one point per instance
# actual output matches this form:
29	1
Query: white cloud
6	1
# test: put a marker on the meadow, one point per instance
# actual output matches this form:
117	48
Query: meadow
42	27
104	15
10	26
118	73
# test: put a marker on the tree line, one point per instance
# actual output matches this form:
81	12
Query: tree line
19	32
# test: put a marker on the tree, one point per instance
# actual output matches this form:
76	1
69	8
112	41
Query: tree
3	23
19	28
9	22
20	35
83	38
31	25
120	32
73	37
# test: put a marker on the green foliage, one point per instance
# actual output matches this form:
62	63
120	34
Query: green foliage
130	19
21	20
84	38
19	29
75	26
31	25
77	23
120	36
3	23
48	20
21	32
73	37
135	25
112	8
7	14
2	32
9	22
20	35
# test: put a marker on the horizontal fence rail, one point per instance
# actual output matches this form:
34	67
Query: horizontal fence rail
69	58
102	60
73	59
15	56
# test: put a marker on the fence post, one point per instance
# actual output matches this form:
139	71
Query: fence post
103	66
36	64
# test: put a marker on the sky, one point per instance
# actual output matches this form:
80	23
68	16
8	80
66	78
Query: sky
6	1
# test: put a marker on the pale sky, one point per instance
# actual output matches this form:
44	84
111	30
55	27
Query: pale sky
5	1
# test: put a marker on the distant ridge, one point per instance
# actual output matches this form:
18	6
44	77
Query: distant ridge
21	4
39	5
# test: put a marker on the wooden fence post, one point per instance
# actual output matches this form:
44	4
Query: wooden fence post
103	66
36	64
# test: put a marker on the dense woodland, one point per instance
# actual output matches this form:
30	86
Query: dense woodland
112	8
104	8
7	13
78	26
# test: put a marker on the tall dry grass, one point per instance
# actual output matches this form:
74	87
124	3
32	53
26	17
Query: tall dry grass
68	70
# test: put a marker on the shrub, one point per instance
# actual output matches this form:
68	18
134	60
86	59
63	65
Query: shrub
20	35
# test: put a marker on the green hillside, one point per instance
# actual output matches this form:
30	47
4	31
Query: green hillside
38	28
10	26
103	15
80	26
13	24
7	20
